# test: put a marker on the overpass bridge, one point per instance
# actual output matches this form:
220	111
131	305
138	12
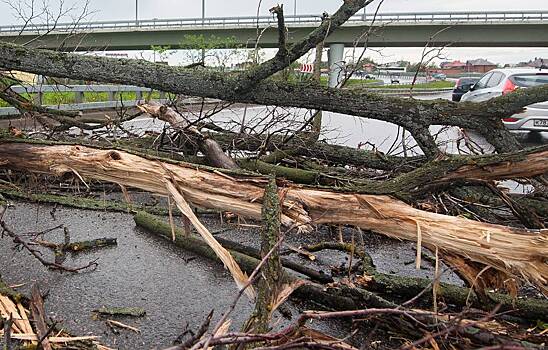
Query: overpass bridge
459	29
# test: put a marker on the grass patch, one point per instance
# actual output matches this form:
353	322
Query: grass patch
58	98
93	96
351	82
438	84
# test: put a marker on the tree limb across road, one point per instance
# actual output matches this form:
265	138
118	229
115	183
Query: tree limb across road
414	115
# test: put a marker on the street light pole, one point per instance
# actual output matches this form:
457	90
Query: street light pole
203	11
136	11
203	23
295	8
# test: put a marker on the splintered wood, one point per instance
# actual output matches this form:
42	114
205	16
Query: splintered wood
518	253
19	315
22	330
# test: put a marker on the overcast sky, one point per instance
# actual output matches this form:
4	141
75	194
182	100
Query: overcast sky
148	9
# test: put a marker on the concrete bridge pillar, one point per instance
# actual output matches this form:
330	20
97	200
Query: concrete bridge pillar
336	64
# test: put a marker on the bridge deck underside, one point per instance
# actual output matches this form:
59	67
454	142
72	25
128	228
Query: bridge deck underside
416	35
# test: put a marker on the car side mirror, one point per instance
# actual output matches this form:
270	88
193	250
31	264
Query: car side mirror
472	88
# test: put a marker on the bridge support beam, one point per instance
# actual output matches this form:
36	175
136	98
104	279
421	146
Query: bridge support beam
336	64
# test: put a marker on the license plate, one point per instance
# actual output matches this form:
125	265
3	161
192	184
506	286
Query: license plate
540	122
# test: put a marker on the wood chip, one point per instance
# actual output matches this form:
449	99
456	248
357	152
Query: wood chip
123	325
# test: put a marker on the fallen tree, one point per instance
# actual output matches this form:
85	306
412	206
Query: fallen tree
348	192
508	251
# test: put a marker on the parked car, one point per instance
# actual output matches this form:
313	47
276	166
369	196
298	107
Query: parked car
503	81
394	79
462	86
439	76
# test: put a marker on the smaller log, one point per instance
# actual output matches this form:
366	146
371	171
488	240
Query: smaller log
381	287
78	246
209	147
318	276
294	174
121	311
39	317
91	244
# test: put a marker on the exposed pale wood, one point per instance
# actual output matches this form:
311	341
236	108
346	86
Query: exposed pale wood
239	277
517	252
123	325
33	337
7	310
209	147
23	314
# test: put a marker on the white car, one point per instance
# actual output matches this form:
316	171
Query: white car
503	81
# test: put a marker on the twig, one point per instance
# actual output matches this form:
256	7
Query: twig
36	254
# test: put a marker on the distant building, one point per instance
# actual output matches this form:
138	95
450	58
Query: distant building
369	67
479	65
538	62
455	67
400	63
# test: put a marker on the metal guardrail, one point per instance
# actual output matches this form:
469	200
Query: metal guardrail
12	111
79	90
20	89
80	104
396	17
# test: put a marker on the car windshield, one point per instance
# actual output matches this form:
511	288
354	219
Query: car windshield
529	80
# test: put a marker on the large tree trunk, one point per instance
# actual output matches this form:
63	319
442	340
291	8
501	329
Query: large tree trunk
511	251
414	115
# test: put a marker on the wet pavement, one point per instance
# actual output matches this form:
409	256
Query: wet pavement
175	287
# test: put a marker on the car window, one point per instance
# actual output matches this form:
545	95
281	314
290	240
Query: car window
529	80
495	79
463	82
482	83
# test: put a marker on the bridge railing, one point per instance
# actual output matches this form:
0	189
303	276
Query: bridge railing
399	17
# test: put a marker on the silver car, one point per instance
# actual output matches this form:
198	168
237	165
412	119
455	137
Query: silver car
502	81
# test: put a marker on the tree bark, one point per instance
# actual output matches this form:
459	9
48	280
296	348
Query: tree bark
269	285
